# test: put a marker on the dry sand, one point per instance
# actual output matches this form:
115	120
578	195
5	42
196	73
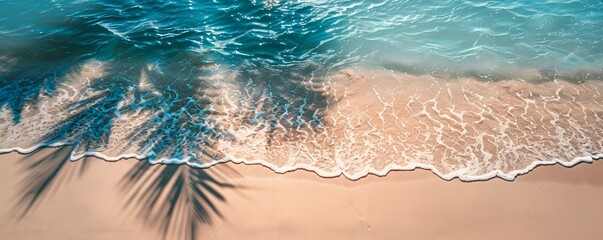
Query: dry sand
551	202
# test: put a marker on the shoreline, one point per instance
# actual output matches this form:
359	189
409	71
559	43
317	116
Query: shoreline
510	177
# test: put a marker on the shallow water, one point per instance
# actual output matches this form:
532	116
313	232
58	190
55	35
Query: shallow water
468	89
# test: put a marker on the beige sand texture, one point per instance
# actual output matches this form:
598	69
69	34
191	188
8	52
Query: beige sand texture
87	200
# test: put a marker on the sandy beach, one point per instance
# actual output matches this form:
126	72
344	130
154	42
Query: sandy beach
551	202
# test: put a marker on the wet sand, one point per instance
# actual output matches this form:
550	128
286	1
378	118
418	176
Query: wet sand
551	202
353	122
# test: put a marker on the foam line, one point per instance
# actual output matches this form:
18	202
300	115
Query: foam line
461	175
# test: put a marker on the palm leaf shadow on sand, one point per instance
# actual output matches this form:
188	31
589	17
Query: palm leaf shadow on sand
176	199
45	172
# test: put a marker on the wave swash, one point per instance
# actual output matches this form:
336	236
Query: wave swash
467	90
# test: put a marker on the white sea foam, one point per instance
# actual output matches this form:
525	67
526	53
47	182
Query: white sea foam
371	122
460	174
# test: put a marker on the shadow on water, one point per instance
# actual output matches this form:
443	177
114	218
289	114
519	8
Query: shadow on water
293	98
181	123
36	66
168	54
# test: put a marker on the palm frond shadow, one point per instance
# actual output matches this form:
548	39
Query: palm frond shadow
37	65
285	100
45	172
181	124
176	199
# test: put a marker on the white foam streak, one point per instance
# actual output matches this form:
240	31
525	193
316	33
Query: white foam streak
376	121
465	175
